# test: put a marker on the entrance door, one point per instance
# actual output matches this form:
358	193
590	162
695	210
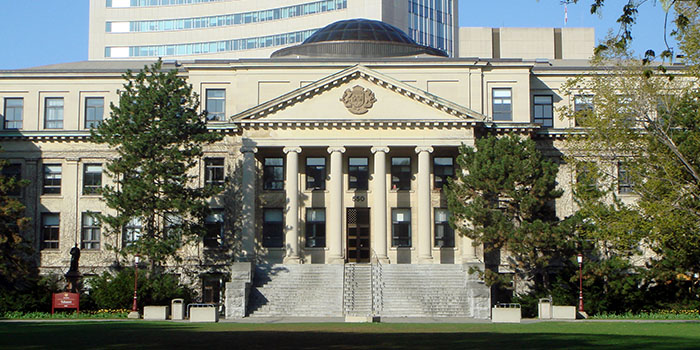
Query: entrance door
358	235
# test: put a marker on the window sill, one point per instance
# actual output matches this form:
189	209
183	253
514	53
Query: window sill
54	196
315	248
316	191
402	248
401	191
437	249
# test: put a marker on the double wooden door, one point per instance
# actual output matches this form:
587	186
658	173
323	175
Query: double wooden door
358	234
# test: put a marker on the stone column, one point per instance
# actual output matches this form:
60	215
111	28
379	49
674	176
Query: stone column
248	176
424	206
335	212
291	217
468	250
379	203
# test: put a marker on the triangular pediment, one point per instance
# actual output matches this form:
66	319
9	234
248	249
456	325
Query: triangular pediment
358	94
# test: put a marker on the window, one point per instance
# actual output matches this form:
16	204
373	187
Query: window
400	227
92	178
273	228
273	174
583	107
502	104
444	234
586	176
543	112
52	179
214	224
216	105
358	173
400	173
53	116
13	171
132	231
624	181
443	168
13	113
90	237
94	111
172	225
315	228
315	173
214	171
50	223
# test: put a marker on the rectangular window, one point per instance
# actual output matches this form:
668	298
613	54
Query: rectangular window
52	179
400	227
400	173
273	174
216	105
13	171
543	110
214	224
214	171
50	224
587	176
90	236
14	107
53	116
273	224
624	181
92	178
315	173
94	111
315	228
444	234
583	108
358	173
132	231
502	104
443	168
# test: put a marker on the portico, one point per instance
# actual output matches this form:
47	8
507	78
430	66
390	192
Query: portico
357	187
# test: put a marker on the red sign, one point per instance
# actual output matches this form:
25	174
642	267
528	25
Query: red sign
65	301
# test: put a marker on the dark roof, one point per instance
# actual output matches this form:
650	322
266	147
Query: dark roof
360	30
358	38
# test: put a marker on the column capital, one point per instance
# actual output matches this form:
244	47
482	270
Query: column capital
428	149
384	149
332	149
249	149
296	149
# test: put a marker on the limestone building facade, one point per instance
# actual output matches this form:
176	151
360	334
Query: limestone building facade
334	169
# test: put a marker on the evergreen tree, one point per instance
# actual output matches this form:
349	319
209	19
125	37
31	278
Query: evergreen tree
504	199
158	135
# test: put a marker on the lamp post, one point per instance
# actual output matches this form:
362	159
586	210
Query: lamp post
579	258
134	307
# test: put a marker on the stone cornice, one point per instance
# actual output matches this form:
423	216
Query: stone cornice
363	124
78	135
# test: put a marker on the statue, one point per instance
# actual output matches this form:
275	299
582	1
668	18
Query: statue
73	275
74	257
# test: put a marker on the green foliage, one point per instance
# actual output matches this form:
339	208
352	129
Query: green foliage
158	135
116	291
61	315
34	296
503	199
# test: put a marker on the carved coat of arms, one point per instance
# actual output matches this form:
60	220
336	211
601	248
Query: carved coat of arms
358	100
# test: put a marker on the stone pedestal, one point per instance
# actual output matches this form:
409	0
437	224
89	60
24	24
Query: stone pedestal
479	293
238	290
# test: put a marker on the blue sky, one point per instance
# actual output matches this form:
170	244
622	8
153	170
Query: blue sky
41	32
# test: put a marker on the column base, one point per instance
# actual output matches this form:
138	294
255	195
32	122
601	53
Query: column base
337	260
134	315
425	260
384	260
292	260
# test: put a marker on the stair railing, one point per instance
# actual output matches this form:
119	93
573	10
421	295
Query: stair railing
376	289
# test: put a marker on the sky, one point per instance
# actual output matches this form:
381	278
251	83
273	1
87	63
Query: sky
41	32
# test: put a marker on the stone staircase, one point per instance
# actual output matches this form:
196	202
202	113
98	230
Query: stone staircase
357	290
305	290
424	291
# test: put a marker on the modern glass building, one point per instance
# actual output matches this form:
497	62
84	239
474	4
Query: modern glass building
122	29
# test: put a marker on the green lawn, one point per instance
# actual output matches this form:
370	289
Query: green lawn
336	336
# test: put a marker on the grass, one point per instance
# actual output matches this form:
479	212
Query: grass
339	336
61	314
656	315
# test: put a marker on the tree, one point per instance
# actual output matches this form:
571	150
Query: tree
504	199
158	135
644	129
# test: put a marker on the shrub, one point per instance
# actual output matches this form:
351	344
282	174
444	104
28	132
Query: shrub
116	291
